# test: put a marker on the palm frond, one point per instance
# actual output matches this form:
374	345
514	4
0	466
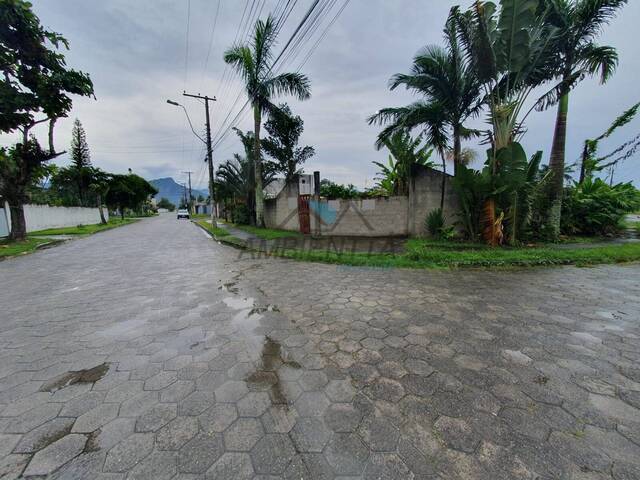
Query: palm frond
295	84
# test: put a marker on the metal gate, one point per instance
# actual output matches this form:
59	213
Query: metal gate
303	214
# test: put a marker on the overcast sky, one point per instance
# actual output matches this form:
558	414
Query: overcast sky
136	53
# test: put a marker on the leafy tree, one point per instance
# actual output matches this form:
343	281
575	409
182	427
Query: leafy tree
128	192
100	186
165	203
236	177
404	153
284	131
333	190
254	63
591	163
34	88
577	55
80	160
451	95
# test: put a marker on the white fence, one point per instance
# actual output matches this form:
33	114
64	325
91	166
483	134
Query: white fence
41	217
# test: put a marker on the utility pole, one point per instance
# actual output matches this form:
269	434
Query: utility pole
190	196
209	158
184	195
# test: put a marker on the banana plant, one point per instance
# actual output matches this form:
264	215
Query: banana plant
510	49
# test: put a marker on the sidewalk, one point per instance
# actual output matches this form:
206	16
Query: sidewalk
333	243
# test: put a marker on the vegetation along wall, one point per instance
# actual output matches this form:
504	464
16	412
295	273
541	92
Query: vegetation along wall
368	217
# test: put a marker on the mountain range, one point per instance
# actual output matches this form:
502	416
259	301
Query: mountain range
168	188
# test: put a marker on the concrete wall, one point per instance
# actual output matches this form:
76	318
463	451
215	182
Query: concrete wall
41	217
376	217
425	191
282	212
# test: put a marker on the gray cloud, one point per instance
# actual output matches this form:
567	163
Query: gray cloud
135	53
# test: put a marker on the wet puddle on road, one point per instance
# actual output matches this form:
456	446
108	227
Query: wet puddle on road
90	375
272	360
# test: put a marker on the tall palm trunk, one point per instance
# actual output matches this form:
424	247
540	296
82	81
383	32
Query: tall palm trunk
457	149
444	181
556	165
258	168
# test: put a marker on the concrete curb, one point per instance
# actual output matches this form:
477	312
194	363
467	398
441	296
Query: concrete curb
236	242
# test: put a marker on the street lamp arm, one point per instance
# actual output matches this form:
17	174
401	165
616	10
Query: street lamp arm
171	102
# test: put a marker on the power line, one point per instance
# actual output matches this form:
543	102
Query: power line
211	37
186	48
307	26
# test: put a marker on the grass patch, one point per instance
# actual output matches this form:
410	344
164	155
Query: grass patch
9	249
216	231
222	234
197	216
267	233
426	254
85	229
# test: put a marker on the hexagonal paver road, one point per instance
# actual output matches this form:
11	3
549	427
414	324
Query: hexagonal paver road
151	352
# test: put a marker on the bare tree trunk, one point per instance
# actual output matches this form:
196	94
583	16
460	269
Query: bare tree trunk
258	168
583	166
99	202
18	221
556	165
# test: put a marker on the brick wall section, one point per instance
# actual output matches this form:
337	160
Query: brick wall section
378	217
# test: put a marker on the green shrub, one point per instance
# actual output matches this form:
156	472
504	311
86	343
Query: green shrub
241	215
434	222
595	208
435	225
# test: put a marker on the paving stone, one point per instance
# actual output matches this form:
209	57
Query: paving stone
114	432
176	433
340	390
32	418
55	455
196	403
197	455
231	466
177	391
217	418
231	391
279	419
457	434
243	434
82	404
272	454
96	418
388	466
8	443
129	452
38	438
157	466
156	417
253	404
311	404
343	417
346	454
160	380
379	434
310	434
12	466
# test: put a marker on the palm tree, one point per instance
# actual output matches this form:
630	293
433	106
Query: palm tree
578	23
404	153
253	62
451	94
